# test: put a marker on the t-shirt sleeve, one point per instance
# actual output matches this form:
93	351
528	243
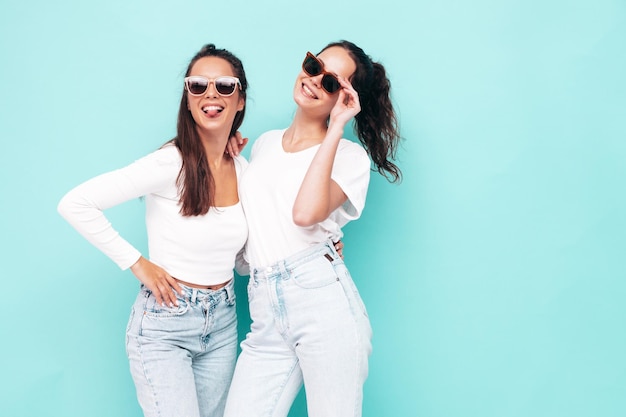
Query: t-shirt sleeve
83	206
351	171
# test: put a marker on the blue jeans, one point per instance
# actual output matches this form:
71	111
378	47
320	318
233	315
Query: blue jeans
182	358
309	325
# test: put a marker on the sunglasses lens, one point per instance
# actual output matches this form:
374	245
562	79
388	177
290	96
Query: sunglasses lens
312	66
197	86
225	86
330	83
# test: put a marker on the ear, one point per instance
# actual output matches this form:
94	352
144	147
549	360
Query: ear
241	104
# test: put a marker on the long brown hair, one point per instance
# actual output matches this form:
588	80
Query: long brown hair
376	124
195	181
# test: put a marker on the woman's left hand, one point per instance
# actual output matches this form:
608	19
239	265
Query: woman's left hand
348	104
339	248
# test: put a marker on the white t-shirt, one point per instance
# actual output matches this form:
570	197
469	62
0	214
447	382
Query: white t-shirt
196	249
269	188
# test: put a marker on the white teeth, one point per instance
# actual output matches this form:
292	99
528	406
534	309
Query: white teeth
210	108
308	91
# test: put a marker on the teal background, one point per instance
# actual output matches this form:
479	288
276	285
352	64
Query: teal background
493	275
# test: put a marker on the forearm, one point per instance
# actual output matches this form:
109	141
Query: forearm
89	220
319	195
83	207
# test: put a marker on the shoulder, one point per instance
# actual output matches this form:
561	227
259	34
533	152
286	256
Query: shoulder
267	139
351	158
274	133
168	154
269	136
352	149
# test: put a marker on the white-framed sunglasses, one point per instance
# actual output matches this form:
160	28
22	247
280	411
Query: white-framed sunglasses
225	85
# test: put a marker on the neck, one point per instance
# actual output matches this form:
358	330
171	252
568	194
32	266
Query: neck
215	149
305	131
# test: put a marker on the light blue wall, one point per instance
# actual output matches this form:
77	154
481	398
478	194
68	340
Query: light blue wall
494	274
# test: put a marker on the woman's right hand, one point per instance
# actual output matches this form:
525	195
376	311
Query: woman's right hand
348	104
158	281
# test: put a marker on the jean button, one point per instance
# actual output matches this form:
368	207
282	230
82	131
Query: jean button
268	269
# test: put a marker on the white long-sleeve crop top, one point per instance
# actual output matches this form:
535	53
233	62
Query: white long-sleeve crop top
197	249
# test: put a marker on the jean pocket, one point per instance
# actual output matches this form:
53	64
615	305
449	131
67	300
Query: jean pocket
154	309
316	273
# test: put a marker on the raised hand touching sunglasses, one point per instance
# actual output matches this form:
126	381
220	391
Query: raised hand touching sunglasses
347	105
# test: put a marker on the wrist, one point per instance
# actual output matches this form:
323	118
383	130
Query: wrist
335	129
136	265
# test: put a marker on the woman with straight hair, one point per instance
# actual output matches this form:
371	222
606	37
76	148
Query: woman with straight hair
181	338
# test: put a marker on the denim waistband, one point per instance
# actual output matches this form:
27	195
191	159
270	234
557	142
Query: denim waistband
326	248
200	294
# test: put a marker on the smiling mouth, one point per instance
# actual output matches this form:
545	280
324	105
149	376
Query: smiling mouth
212	110
307	92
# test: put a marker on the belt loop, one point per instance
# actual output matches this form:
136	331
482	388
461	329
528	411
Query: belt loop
331	246
194	295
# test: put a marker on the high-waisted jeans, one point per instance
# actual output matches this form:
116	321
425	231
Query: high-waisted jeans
309	325
182	358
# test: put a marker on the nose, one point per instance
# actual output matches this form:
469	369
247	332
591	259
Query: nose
211	91
317	80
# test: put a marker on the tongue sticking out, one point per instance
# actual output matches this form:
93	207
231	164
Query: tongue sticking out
212	111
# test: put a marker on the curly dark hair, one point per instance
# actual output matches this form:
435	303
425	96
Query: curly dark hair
376	124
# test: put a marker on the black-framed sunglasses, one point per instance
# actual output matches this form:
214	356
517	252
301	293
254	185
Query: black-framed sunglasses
225	86
313	67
